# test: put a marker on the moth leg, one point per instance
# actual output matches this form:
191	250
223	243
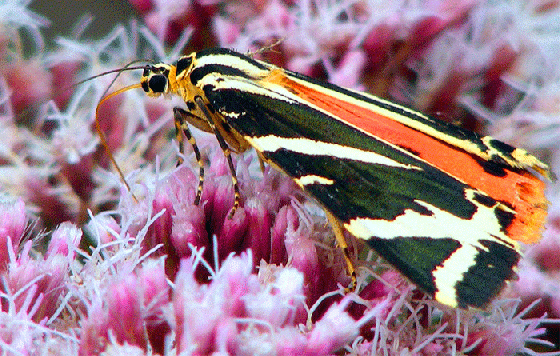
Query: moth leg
261	163
341	241
181	119
227	153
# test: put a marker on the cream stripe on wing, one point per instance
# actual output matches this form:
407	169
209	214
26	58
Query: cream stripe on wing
312	179
453	271
483	225
310	147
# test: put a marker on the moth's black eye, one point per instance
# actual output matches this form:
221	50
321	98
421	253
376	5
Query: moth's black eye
158	83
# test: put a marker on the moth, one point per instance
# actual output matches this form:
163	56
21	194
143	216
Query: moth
445	206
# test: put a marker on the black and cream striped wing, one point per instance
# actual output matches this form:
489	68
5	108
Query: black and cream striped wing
442	233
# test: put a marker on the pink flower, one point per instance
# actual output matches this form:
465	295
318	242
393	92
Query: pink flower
167	19
41	279
31	83
132	309
235	309
89	267
14	222
506	334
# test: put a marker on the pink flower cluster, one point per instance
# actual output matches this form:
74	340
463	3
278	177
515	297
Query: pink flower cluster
89	267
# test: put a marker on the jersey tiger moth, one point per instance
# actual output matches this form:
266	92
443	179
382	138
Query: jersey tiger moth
446	206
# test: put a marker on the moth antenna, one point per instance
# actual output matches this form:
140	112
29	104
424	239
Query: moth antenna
126	67
104	138
100	132
270	47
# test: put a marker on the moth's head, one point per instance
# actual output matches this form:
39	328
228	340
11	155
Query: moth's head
156	79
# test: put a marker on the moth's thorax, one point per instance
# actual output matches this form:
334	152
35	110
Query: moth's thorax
185	89
184	86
